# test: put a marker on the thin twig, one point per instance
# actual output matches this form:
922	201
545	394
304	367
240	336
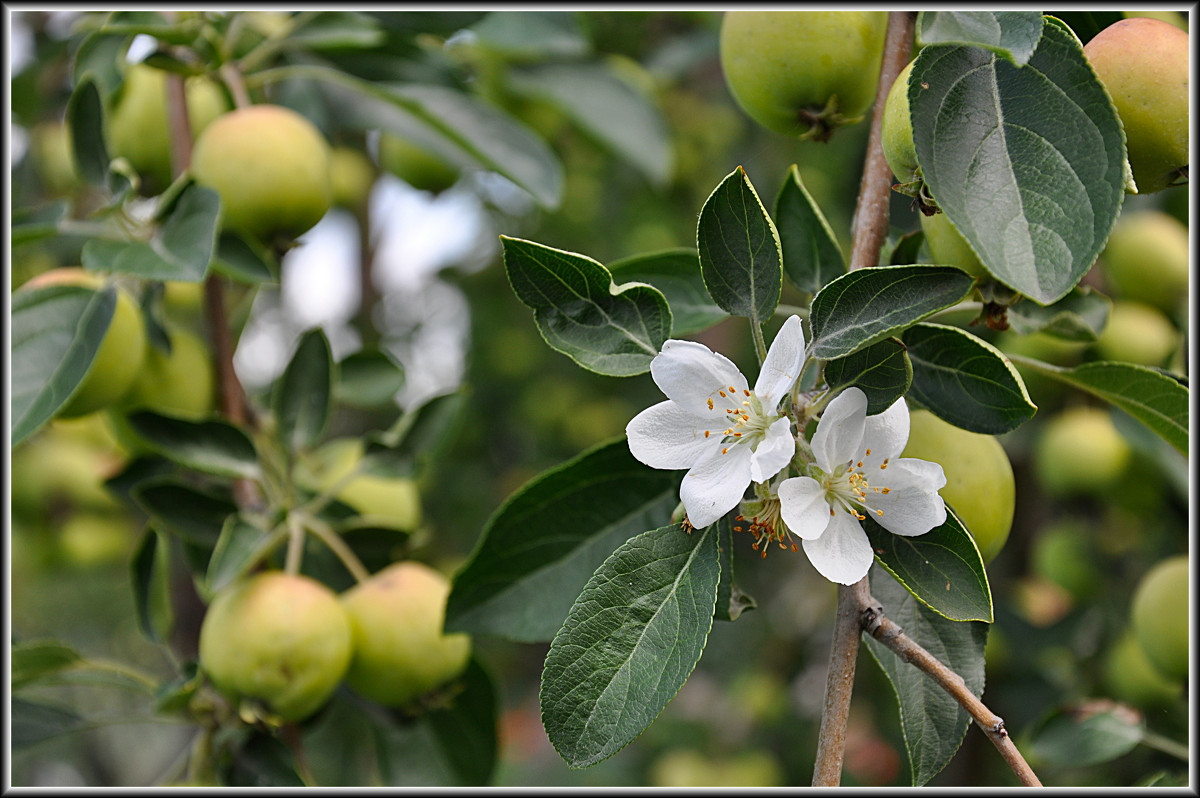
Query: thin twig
179	125
888	632
839	684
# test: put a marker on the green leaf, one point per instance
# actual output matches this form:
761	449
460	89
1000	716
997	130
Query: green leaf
101	56
368	378
180	249
1027	162
213	447
239	547
151	23
604	327
1079	316
605	107
741	258
965	380
33	660
142	572
263	761
868	305
1010	34
811	253
301	396
1156	399
1086	24
933	723
882	371
244	262
56	332
466	728
418	438
1082	738
541	546
85	118
532	35
335	30
33	224
34	722
194	515
942	568
731	601
676	273
632	638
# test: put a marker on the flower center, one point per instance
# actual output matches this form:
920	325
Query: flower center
766	525
743	414
849	488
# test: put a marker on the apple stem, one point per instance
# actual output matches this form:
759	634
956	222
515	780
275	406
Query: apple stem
237	85
295	549
327	535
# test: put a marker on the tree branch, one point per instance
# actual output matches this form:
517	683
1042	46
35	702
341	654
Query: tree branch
839	684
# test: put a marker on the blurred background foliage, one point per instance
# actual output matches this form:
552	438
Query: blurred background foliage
749	715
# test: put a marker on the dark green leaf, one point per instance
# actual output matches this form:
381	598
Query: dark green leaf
942	568
32	224
56	332
868	305
150	23
102	57
263	761
85	118
1010	34
731	601
932	722
1082	738
173	697
965	380
142	571
882	371
741	258
368	378
905	250
33	722
607	108
532	35
1079	316
418	438
213	447
196	516
604	327
632	638
1156	399
466	728
301	396
1027	162
239	547
331	30
538	550
34	660
811	254
1086	24
240	260
676	273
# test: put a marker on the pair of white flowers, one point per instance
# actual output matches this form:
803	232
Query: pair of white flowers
728	435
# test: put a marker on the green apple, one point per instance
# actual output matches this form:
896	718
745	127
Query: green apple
88	539
897	133
979	478
54	158
803	73
122	350
1130	676
55	467
278	638
138	128
1080	451
948	247
392	500
1143	63
351	175
1146	259
183	300
1160	616
1062	554
1137	333
270	166
400	651
182	383
419	166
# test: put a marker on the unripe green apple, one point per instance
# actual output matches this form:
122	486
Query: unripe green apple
979	478
282	639
1130	676
182	383
54	157
89	539
1063	555
54	467
948	247
122	350
1143	63
1137	333
138	128
400	651
394	500
1160	616
351	175
896	130
1146	258
270	166
803	73
1080	451
420	167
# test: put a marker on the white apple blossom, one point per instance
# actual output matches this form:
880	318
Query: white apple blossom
858	472
712	424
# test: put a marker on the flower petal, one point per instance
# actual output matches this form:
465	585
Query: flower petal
912	505
804	507
690	374
715	484
885	434
781	369
842	553
665	436
840	430
774	451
